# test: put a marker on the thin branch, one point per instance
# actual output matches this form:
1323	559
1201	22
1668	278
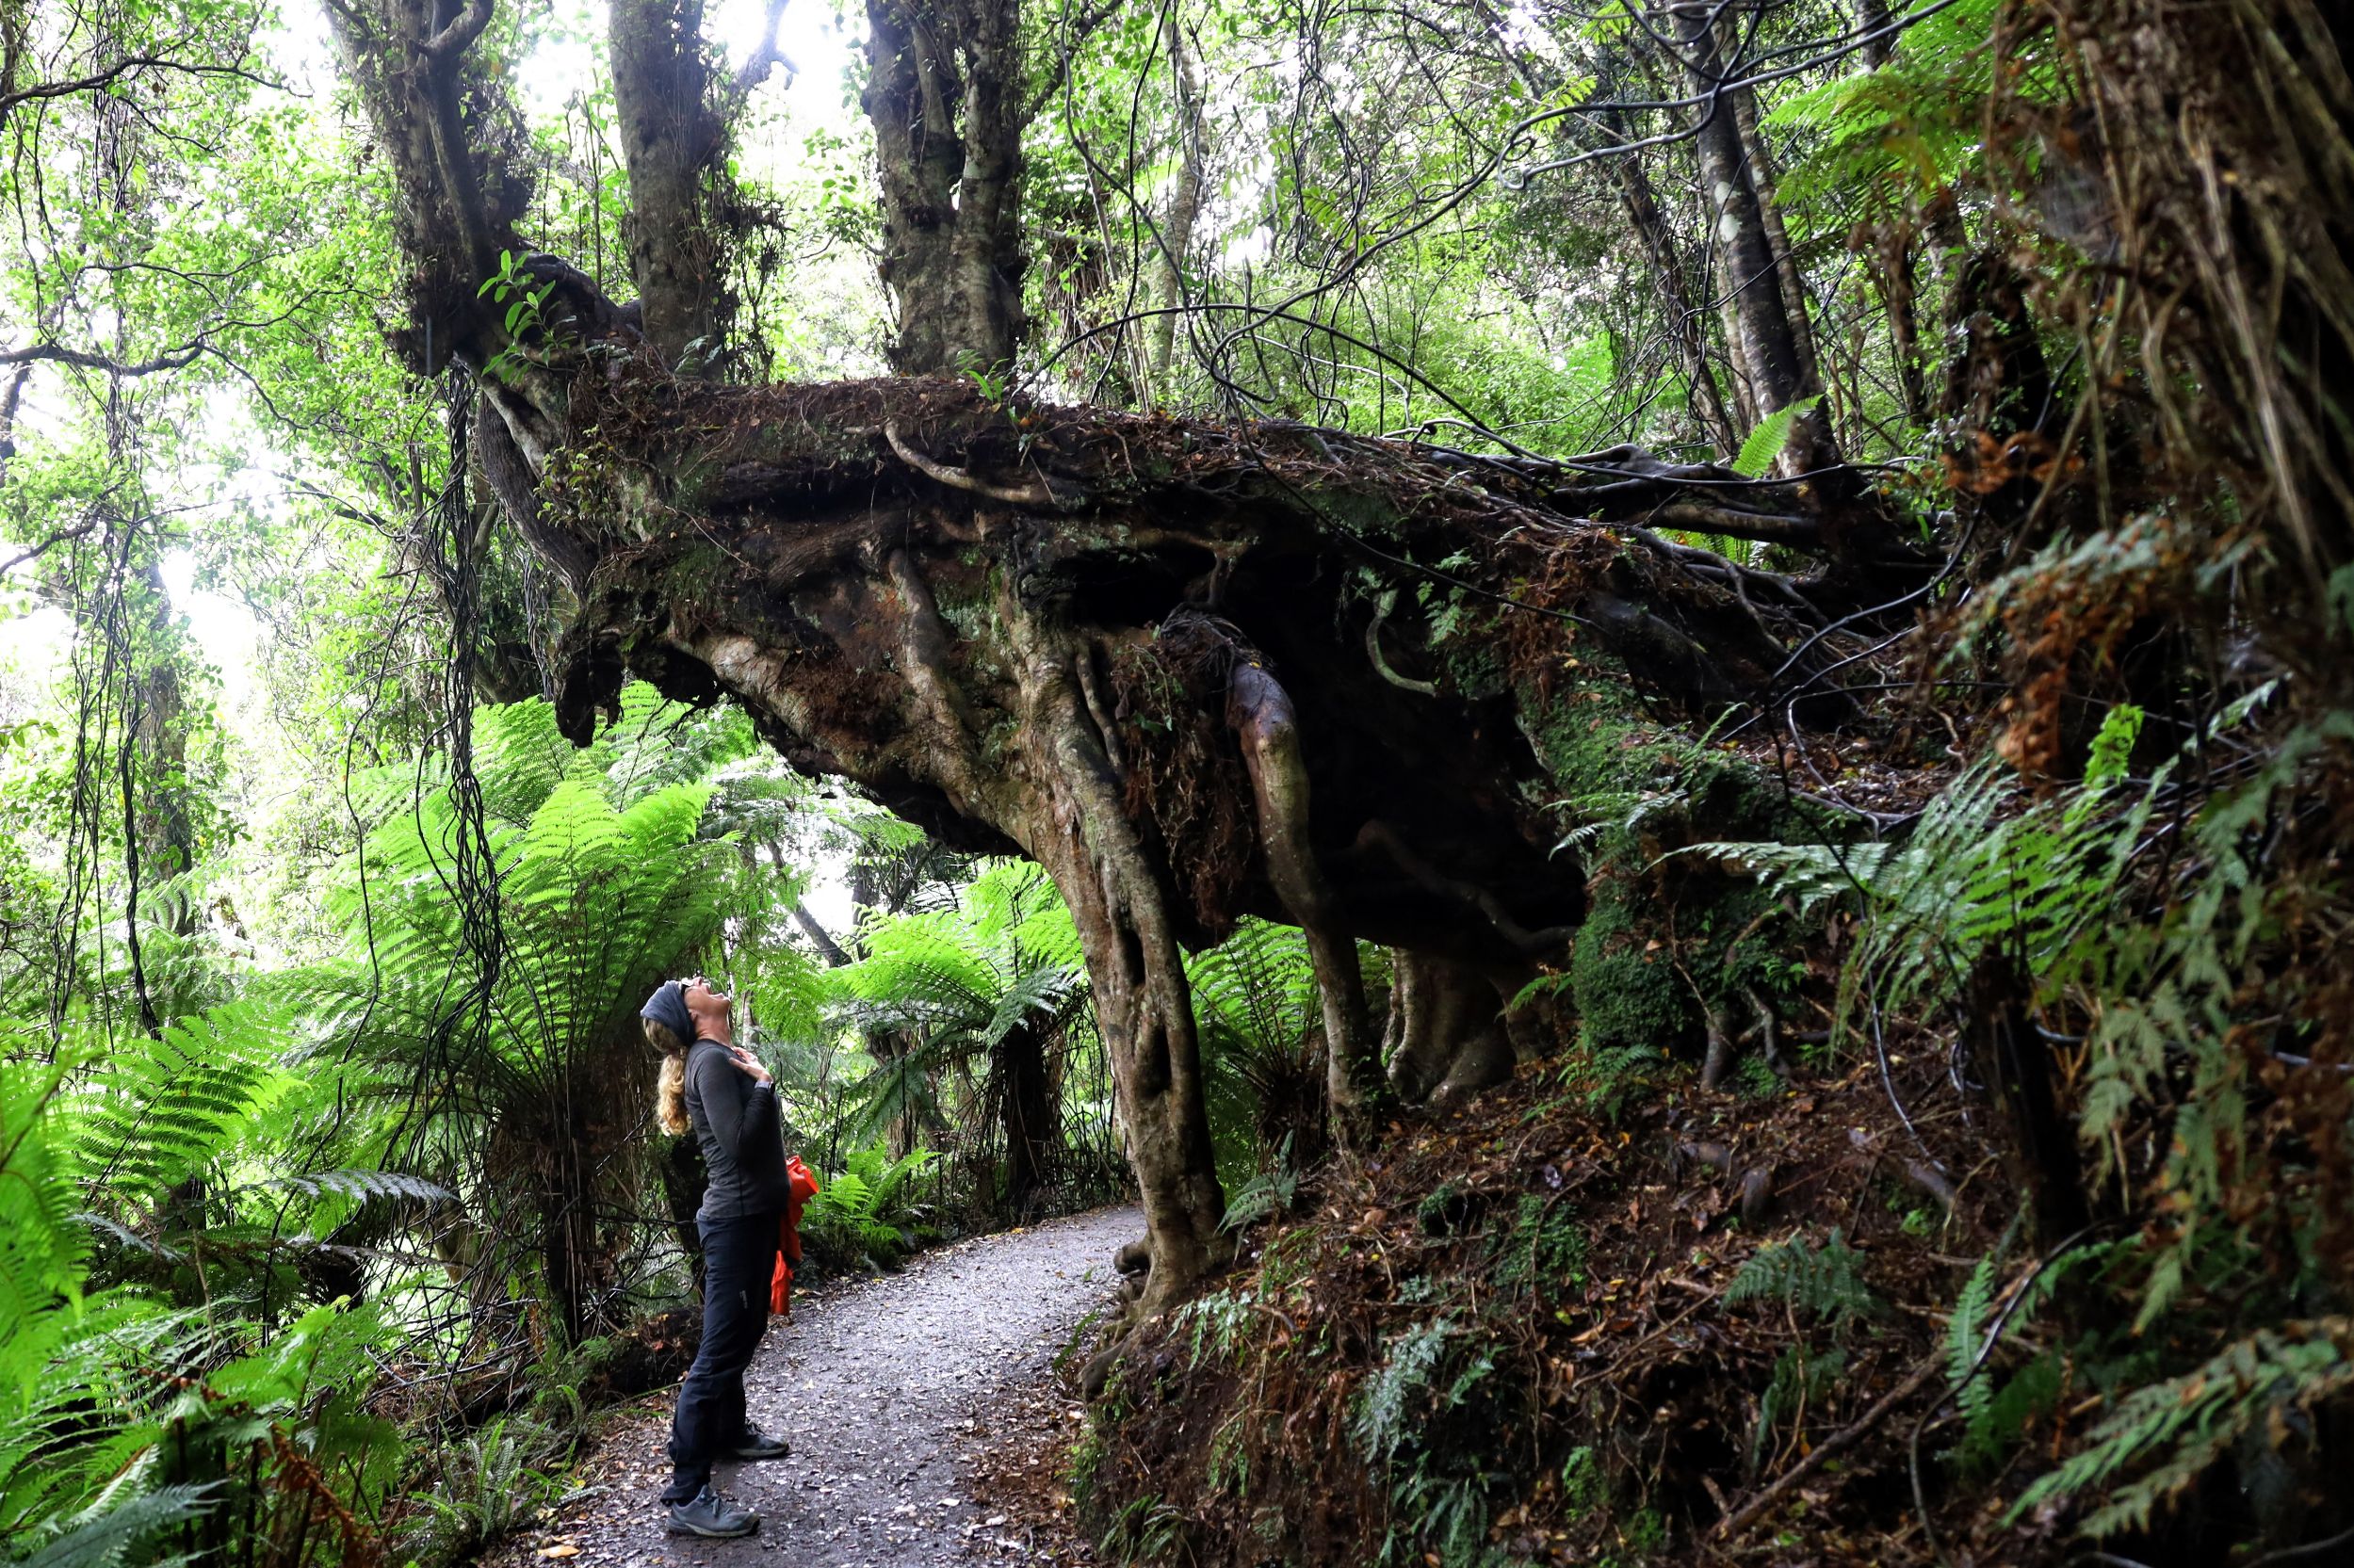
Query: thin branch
83	359
60	537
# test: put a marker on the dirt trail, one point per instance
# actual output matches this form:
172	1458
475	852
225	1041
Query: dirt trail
885	1388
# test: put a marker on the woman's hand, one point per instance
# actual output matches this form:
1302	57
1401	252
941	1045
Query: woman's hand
748	1064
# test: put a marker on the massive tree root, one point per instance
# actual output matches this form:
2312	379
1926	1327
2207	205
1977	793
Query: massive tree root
1134	649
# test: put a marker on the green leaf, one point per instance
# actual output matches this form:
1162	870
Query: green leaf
1766	441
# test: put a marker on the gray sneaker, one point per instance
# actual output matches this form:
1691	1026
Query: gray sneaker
710	1514
757	1445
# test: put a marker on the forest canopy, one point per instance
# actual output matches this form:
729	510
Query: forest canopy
1642	708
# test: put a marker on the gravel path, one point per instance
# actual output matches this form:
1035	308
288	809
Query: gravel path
885	1387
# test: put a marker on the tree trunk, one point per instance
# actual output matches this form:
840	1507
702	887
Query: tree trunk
1891	249
670	138
1026	1110
1777	364
1446	1039
1262	715
1680	304
1760	157
1185	205
1878	45
1122	905
2045	1161
943	93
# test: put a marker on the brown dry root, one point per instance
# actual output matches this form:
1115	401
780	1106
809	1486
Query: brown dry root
1724	1041
1263	719
1446	1038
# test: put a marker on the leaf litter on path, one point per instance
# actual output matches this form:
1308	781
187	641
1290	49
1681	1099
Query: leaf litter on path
888	1389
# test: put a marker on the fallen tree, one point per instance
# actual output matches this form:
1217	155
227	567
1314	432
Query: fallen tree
1195	671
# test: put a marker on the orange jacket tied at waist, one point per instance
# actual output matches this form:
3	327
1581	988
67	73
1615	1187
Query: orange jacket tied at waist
804	1186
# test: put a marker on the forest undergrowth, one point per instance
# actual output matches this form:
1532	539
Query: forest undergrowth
1836	1305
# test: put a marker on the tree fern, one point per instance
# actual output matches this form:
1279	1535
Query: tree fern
954	987
158	1111
40	1245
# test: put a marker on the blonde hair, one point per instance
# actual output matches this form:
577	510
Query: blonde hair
669	1086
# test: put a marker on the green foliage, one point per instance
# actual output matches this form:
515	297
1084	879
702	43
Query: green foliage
1913	126
1261	1028
1145	1530
1765	445
870	1214
493	1481
525	321
156	1114
1824	1281
2158	1439
1964	1346
604	889
1215	1323
955	987
1584	1485
40	1247
1394	1394
1542	1250
1266	1194
1802	1380
107	1533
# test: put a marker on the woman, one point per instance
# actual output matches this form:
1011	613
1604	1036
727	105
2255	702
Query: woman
713	1085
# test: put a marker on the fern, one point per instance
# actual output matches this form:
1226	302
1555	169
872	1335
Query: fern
1765	443
1995	1413
40	1246
1407	1372
1824	1281
1542	1247
1964	1344
106	1534
159	1112
1260	1022
1799	1380
1216	1324
1984	867
869	1213
363	1186
2165	1434
1911	123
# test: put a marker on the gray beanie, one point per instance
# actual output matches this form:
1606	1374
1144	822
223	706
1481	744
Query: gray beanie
668	1007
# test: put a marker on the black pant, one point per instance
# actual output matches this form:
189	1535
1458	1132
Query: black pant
739	1257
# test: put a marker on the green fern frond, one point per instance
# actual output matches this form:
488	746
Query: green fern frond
1765	442
104	1535
1824	1281
2166	1434
1964	1339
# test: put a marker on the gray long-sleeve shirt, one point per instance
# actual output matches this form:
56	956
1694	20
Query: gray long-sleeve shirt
737	1121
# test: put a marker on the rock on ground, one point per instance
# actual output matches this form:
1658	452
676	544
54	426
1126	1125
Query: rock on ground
886	1388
